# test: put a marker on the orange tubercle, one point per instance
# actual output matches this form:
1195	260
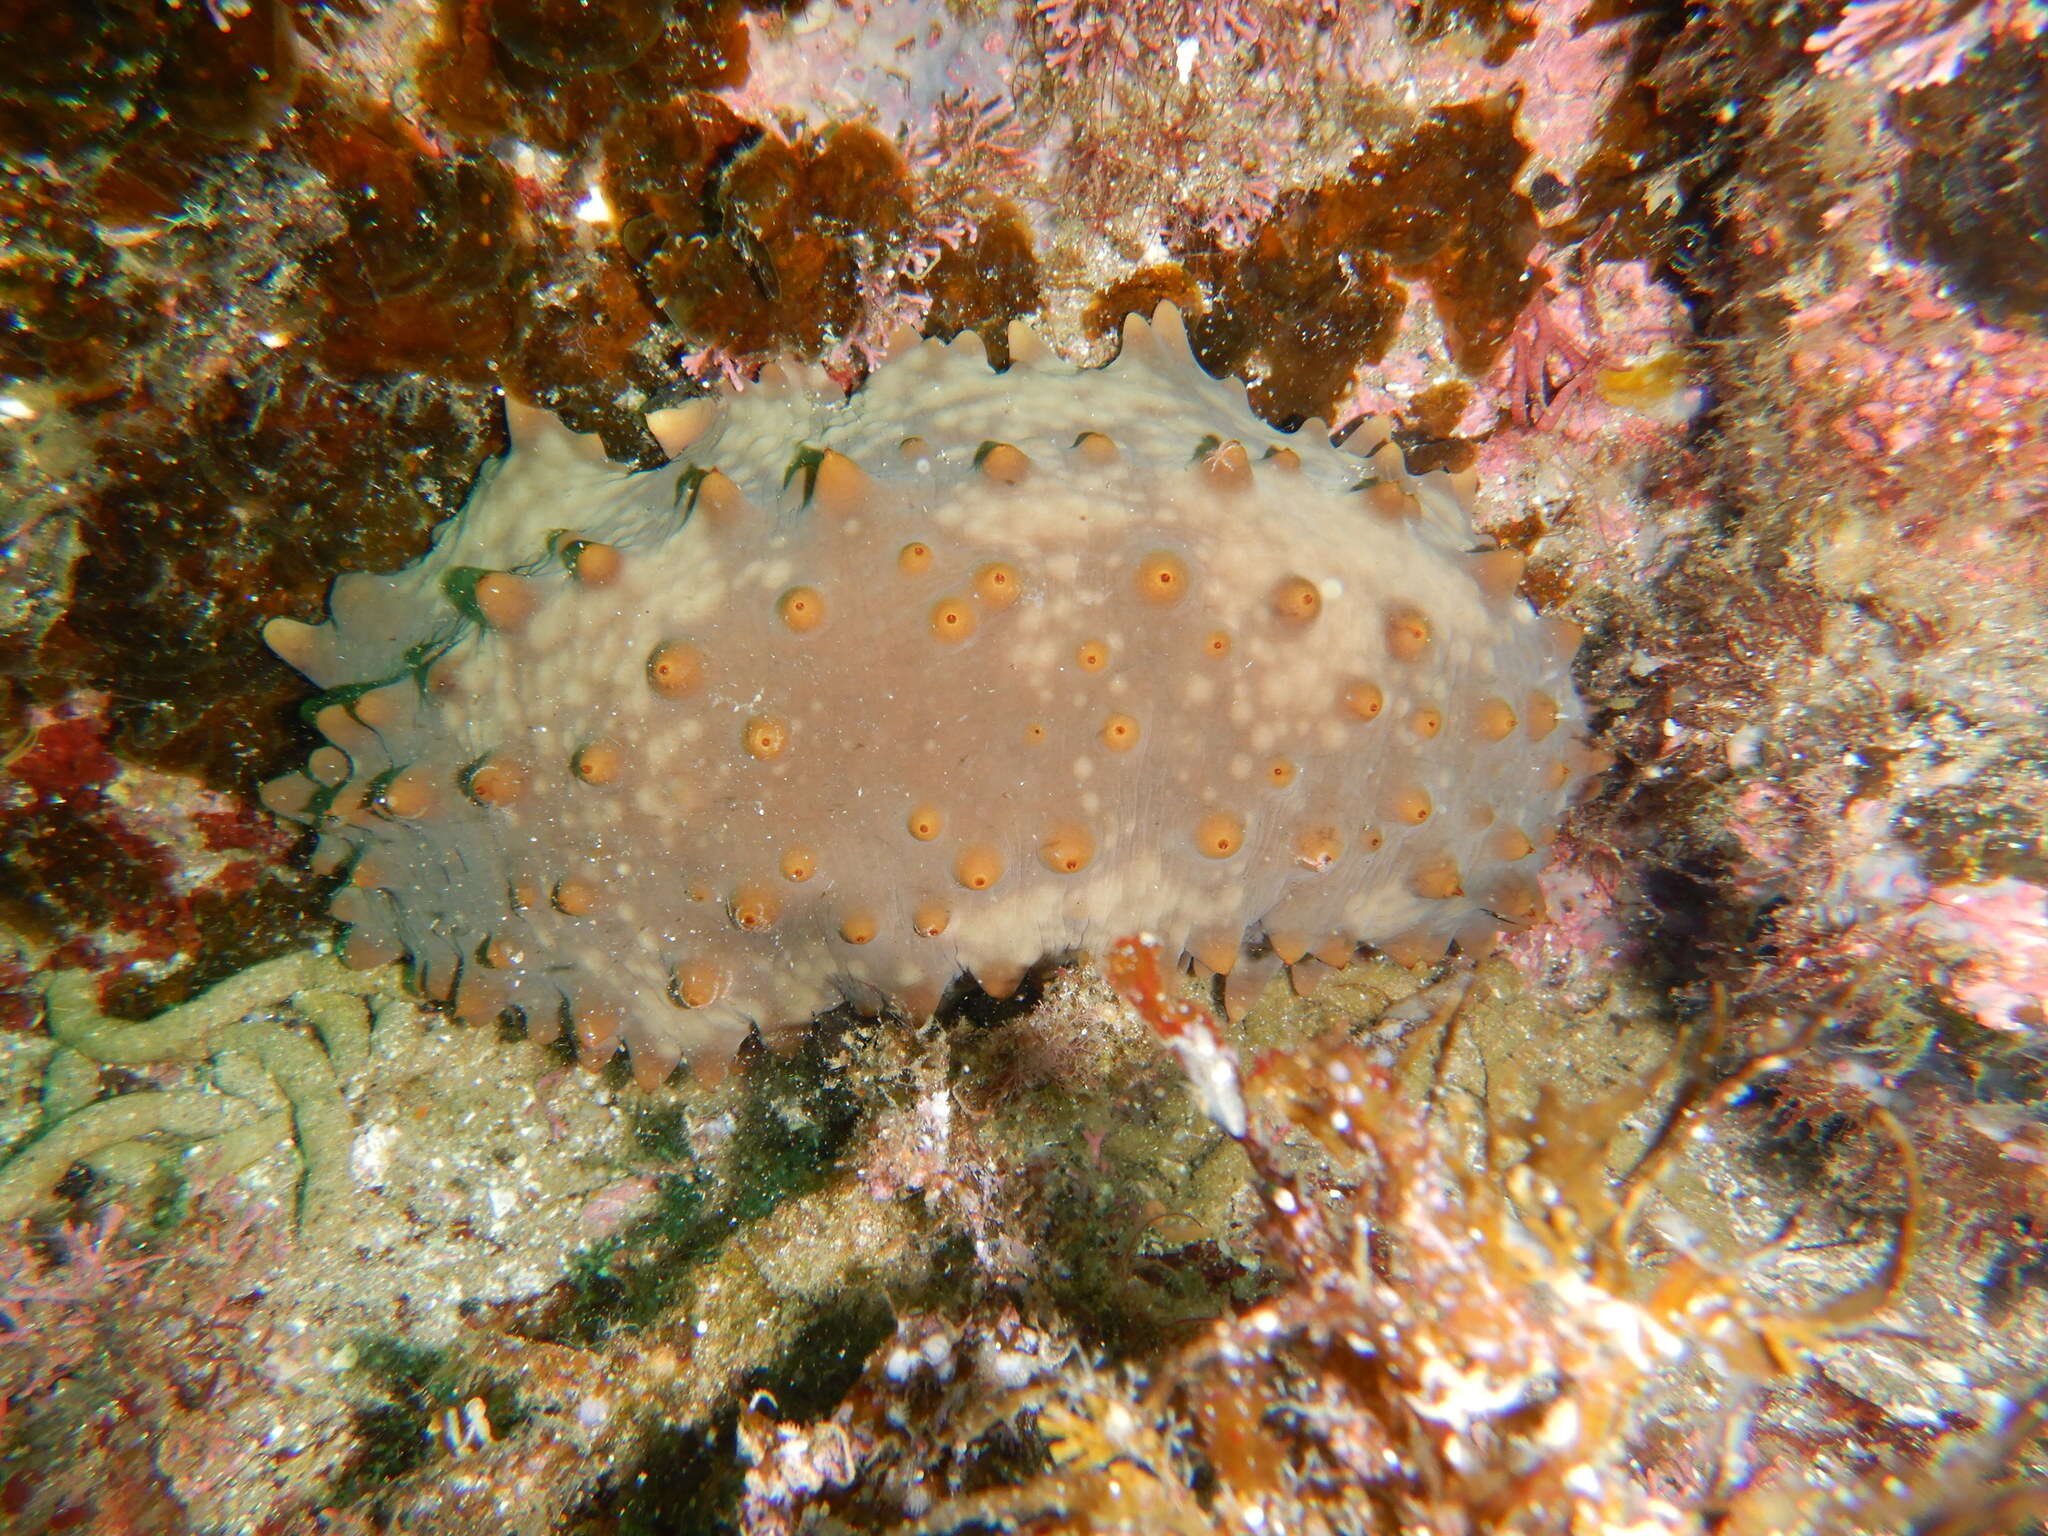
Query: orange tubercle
1318	848
675	668
802	609
1408	634
952	620
593	564
599	762
1219	835
1494	719
494	780
1095	448
1297	600
720	500
408	795
839	487
505	601
1509	844
1364	700
576	897
979	867
697	984
1162	578
754	908
997	584
1068	851
1499	571
1437	880
1516	899
1003	463
1412	806
1228	467
382	708
766	737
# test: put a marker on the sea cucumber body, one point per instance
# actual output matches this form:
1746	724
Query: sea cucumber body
971	668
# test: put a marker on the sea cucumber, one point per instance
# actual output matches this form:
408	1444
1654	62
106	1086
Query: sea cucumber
857	694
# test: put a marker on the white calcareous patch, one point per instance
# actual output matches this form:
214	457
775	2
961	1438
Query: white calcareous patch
806	714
